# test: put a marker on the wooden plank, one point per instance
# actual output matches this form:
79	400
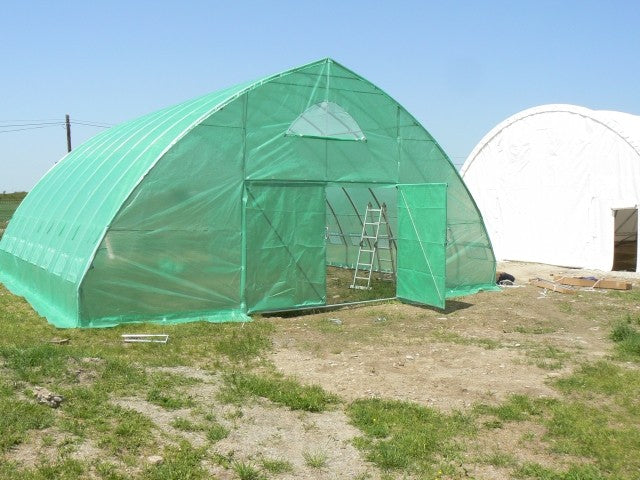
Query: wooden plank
587	282
549	285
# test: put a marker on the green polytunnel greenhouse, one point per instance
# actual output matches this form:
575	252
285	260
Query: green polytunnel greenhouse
236	202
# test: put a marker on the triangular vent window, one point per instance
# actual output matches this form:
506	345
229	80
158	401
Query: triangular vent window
326	120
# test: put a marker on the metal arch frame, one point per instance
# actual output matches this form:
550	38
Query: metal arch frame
344	238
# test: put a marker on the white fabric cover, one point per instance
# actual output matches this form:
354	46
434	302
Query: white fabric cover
548	179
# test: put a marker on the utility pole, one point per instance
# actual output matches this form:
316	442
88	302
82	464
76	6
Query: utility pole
68	123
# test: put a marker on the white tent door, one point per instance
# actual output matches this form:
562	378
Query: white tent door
625	241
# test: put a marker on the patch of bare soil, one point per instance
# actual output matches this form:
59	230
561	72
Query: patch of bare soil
84	369
260	430
269	432
48	445
481	349
445	376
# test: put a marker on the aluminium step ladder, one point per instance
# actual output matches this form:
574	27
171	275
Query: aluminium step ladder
373	217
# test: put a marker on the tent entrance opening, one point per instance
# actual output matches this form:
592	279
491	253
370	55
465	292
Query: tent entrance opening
625	246
390	242
361	245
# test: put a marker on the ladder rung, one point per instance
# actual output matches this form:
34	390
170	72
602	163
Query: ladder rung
365	265
372	223
367	236
366	250
362	278
374	209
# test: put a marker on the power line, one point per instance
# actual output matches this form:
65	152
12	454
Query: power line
20	127
93	121
23	123
31	124
91	124
22	120
29	128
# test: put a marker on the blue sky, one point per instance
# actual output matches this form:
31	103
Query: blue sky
460	67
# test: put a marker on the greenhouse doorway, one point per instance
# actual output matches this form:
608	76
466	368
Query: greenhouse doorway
310	245
625	242
405	259
360	233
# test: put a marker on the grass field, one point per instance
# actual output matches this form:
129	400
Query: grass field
8	204
504	385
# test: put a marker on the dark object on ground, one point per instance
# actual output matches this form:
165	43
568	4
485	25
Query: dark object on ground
504	278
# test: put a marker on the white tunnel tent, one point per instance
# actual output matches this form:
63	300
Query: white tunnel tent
560	184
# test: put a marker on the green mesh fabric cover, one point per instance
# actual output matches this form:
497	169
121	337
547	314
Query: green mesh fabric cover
422	231
285	246
152	220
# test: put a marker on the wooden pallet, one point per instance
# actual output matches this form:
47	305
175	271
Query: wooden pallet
590	283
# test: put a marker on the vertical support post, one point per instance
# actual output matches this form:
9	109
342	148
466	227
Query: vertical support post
243	254
68	124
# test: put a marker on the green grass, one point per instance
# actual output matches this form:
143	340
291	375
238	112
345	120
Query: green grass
62	469
626	334
547	357
165	400
409	437
602	377
601	418
620	386
315	459
216	432
515	408
125	433
578	429
18	417
598	419
276	466
499	459
246	471
12	196
607	434
628	296
93	368
185	425
452	337
565	307
182	462
278	389
534	329
339	280
9	202
36	364
580	472
244	343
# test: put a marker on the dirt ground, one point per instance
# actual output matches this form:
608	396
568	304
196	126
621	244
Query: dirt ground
441	358
481	349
